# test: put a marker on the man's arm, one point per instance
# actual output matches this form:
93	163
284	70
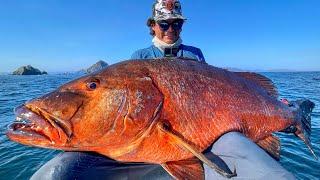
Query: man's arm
200	56
250	161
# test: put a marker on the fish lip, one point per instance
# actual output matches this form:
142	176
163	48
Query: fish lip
55	122
28	124
26	129
37	122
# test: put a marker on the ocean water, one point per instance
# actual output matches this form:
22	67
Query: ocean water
20	162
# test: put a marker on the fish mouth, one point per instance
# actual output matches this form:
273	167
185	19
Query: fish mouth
34	126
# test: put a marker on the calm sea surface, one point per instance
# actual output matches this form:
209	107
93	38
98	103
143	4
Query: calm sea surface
20	162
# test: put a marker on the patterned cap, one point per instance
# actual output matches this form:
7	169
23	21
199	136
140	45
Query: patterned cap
167	9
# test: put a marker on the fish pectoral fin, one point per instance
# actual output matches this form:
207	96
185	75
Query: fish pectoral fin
176	139
271	144
185	169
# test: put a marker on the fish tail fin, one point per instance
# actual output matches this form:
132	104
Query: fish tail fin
302	129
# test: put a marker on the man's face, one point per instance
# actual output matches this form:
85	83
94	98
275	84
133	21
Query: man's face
172	34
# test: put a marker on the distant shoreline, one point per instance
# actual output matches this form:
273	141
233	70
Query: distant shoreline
235	70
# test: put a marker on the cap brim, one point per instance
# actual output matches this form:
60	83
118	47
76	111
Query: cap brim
160	18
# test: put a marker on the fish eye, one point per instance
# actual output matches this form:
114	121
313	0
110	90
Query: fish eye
92	85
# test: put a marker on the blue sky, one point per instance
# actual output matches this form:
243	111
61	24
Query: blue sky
68	35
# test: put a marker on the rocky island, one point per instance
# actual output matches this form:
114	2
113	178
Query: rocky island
28	70
96	67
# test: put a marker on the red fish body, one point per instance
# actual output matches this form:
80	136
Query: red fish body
155	110
202	103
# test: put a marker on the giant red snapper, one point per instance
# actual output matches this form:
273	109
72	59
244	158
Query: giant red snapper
164	111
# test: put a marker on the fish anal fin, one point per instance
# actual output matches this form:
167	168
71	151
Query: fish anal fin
271	145
185	169
260	80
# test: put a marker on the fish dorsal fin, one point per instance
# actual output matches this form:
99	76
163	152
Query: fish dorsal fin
261	80
176	139
271	145
185	169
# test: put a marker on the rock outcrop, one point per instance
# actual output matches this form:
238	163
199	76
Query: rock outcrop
96	67
28	70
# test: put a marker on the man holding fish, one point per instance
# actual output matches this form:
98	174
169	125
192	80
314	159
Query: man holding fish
165	27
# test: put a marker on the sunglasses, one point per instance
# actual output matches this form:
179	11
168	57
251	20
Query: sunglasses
175	25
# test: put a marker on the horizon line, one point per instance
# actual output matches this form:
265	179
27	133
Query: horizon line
227	68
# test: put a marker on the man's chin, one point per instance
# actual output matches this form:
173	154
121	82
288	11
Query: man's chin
170	40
